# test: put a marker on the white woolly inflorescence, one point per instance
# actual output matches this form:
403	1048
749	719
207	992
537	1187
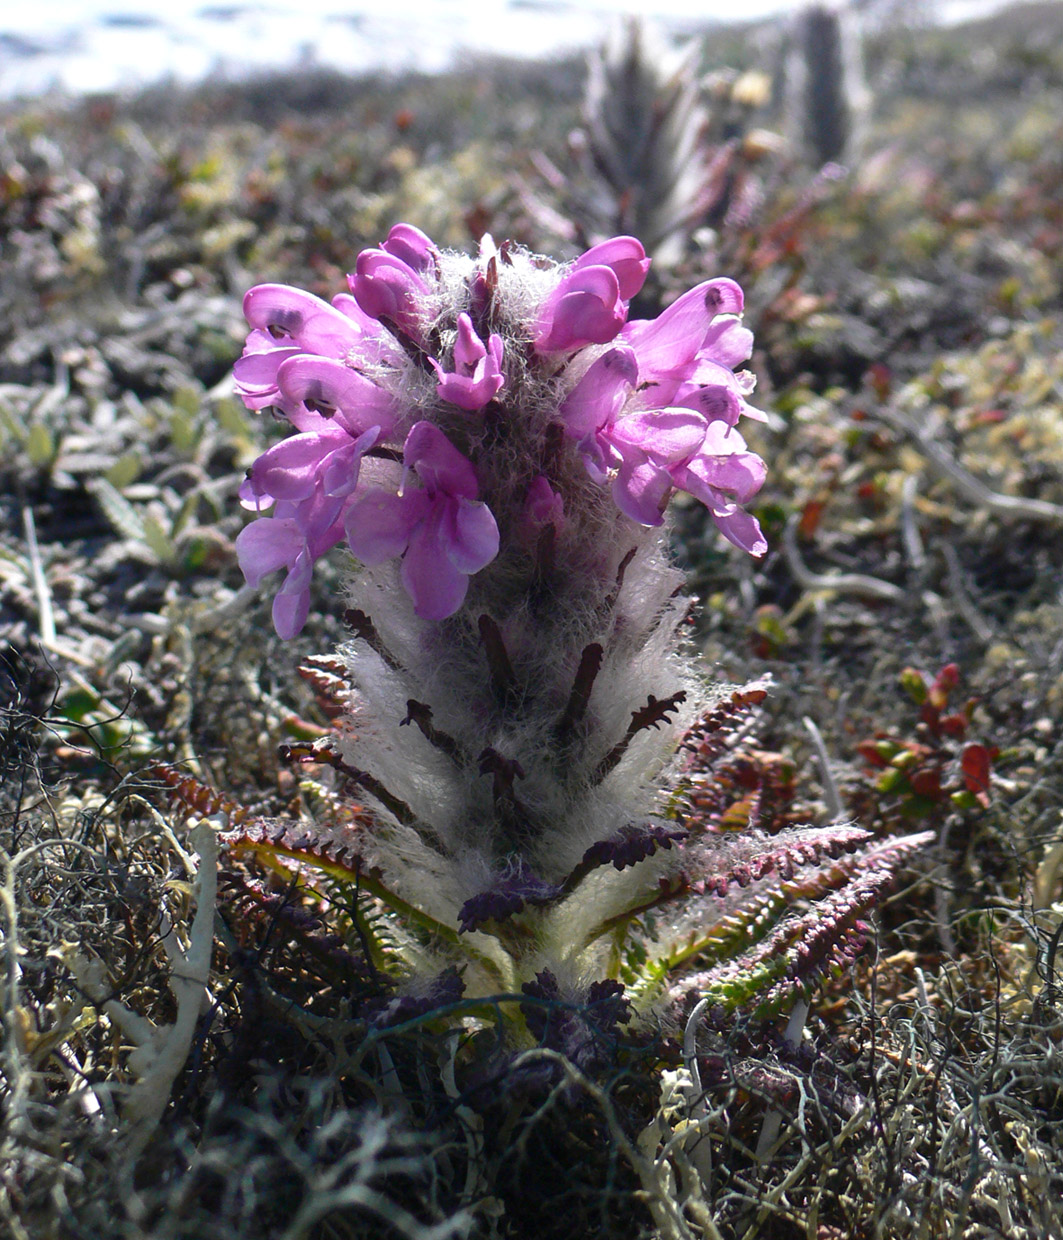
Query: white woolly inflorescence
496	443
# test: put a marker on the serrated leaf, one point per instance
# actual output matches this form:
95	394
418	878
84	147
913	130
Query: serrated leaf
124	518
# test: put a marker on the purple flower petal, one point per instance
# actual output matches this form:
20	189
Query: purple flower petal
339	475
379	524
291	606
585	308
324	385
320	518
718	402
289	469
598	397
470	535
542	505
627	259
255	375
727	343
438	464
387	288
412	247
477	376
741	475
253	499
667	345
743	530
350	309
292	316
436	585
668	436
266	545
641	490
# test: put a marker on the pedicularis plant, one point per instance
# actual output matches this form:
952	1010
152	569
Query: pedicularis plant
541	773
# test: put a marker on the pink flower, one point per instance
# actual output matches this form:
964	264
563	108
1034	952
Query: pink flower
543	507
652	412
664	449
311	476
653	452
287	322
687	355
594	404
442	532
389	283
477	376
298	535
340	415
625	257
589	305
414	248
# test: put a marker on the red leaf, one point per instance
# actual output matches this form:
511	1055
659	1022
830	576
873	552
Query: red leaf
868	750
945	681
926	783
810	517
975	761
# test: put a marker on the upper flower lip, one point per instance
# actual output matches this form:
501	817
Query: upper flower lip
392	283
327	387
626	258
290	315
585	308
413	247
672	341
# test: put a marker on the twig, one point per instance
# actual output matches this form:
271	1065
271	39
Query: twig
910	536
830	788
978	624
161	1052
837	583
45	614
769	1132
702	1151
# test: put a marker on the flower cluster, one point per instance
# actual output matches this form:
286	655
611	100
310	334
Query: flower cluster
438	405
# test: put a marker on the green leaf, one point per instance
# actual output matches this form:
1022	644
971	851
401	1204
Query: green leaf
232	418
40	445
125	471
159	540
184	433
913	682
12	424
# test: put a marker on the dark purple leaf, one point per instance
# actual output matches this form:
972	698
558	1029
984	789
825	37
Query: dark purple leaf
510	893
